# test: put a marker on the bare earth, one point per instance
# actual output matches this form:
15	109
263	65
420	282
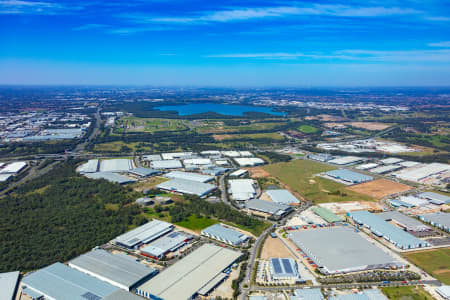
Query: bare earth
221	137
273	247
257	172
380	188
370	125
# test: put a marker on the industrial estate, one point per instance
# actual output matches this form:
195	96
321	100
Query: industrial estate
122	200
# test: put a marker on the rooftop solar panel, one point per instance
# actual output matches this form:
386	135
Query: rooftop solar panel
287	266
277	266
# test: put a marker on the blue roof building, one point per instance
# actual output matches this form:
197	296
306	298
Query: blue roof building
58	281
381	228
224	234
283	269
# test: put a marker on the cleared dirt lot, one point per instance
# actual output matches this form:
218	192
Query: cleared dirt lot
370	125
380	188
273	247
257	172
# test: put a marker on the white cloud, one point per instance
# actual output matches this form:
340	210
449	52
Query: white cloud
34	7
445	44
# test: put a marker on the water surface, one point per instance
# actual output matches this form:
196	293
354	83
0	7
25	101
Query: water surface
223	109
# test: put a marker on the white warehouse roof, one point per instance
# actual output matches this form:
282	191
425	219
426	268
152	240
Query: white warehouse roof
116	165
14	167
249	161
187	187
189	176
282	196
166	164
242	189
144	234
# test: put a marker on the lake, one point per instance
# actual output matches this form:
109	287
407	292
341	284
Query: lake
223	109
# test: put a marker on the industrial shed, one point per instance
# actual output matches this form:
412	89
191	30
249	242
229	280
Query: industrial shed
242	189
440	220
164	245
13	168
271	208
378	226
348	177
90	166
143	234
122	295
189	176
391	161
144	172
404	221
187	187
58	281
152	157
166	164
308	294
346	160
434	198
282	196
187	277
225	234
111	177
118	270
116	165
327	214
8	284
283	269
341	250
249	161
385	169
421	172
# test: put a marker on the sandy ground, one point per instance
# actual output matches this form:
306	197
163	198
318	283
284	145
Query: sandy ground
273	247
266	197
257	172
380	188
370	125
221	137
344	207
334	125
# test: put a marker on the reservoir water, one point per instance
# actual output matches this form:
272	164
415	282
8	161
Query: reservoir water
223	109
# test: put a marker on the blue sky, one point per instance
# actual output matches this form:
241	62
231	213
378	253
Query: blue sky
226	43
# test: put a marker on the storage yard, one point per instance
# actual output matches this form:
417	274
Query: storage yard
380	188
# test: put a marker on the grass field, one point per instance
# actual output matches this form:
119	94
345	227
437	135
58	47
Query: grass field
219	127
197	224
435	262
249	137
406	293
299	176
307	129
133	124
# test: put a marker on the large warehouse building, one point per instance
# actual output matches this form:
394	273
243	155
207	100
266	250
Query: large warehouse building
282	196
58	281
8	285
408	223
197	273
341	250
277	210
166	164
184	186
327	214
348	177
242	189
118	270
143	234
440	220
111	177
378	226
116	165
164	245
284	269
225	234
189	176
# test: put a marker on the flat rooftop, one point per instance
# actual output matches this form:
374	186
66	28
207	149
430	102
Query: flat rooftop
224	233
58	281
111	177
282	196
403	220
116	165
440	218
268	207
341	249
189	275
144	233
187	186
349	176
119	269
189	176
8	284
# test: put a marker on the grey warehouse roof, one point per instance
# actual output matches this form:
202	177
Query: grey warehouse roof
282	196
187	187
166	164
224	233
380	227
116	268
189	275
349	176
111	177
189	176
116	165
308	294
165	244
268	207
404	221
439	198
341	249
8	284
143	172
122	295
144	233
58	281
440	218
